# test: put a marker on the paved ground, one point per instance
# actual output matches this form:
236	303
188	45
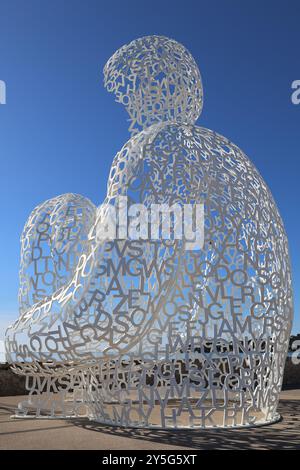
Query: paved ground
84	434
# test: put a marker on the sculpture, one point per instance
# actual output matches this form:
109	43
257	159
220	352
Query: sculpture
148	333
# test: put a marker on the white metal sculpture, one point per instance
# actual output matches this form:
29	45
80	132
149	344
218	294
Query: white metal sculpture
146	332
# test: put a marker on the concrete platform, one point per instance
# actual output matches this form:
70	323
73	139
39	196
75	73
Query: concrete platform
84	434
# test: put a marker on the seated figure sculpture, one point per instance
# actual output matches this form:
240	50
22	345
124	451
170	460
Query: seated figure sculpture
148	332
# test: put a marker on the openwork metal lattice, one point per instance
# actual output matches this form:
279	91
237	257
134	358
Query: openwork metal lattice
146	332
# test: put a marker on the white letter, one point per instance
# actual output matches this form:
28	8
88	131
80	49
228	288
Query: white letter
122	221
138	225
106	223
2	92
196	237
296	95
166	211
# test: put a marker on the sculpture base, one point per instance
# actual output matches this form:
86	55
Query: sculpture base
274	420
184	413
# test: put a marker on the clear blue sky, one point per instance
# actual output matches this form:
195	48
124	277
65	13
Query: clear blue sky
60	129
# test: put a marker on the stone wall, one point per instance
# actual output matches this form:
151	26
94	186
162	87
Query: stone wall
291	378
10	383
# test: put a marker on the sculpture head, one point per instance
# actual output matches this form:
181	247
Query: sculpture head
156	79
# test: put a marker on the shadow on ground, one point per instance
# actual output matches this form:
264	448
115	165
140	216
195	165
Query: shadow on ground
282	435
